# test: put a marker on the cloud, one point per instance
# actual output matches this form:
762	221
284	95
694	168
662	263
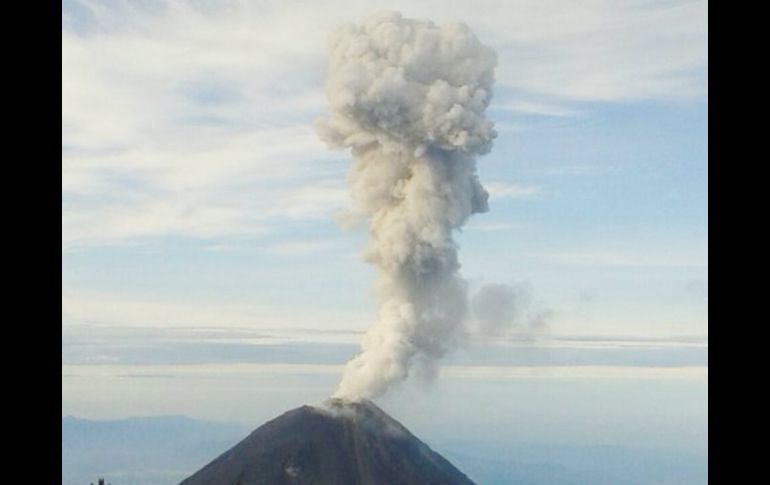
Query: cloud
573	170
194	118
578	372
603	50
527	107
509	310
450	371
491	226
111	309
631	257
170	126
302	248
505	190
314	201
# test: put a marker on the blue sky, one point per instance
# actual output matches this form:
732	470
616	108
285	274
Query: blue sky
199	211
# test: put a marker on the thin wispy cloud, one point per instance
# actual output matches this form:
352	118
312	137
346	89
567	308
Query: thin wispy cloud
450	371
314	201
572	170
302	248
534	108
506	190
630	257
492	226
114	309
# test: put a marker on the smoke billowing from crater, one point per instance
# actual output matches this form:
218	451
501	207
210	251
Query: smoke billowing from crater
408	97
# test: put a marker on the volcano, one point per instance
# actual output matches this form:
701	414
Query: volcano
339	443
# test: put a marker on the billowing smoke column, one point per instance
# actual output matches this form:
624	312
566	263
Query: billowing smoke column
408	98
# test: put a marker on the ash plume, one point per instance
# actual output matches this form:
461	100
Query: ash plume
499	309
408	97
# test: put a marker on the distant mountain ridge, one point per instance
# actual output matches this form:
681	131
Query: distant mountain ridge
340	443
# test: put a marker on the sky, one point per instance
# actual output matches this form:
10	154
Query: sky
204	267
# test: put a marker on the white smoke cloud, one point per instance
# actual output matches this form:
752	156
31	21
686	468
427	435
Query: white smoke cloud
408	97
499	309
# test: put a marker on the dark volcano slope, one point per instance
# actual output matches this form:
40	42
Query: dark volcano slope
340	444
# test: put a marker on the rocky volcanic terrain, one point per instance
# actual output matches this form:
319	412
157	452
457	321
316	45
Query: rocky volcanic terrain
339	443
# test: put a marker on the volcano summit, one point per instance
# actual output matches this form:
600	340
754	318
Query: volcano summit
339	443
